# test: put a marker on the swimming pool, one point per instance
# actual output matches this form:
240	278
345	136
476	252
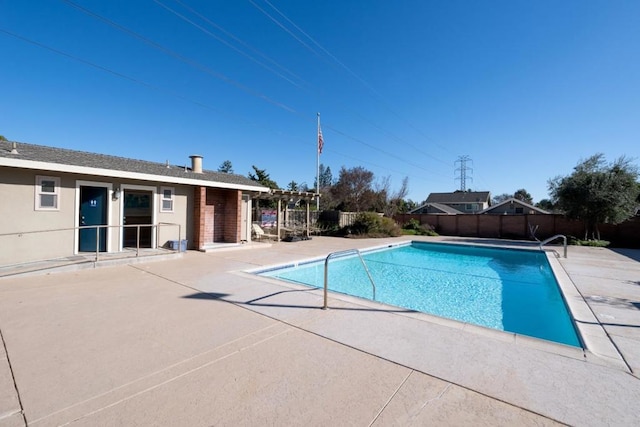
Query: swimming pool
506	289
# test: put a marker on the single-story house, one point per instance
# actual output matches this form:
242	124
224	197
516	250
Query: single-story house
462	201
513	206
59	203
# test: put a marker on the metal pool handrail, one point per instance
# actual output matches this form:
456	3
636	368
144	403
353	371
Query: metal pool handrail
551	239
326	272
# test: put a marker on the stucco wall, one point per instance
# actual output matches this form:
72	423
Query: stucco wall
181	215
512	209
26	234
18	213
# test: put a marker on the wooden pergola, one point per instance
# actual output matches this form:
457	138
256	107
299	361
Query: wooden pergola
286	196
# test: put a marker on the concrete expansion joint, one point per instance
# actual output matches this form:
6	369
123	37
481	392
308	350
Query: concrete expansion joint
395	392
189	369
428	401
15	384
4	415
438	397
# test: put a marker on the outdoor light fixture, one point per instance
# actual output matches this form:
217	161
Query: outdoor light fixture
116	193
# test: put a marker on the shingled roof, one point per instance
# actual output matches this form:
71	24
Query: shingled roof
459	197
58	159
436	207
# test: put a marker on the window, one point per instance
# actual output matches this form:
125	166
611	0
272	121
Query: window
47	193
519	210
471	207
166	199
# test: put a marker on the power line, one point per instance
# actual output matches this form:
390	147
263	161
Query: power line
285	29
387	133
395	156
349	70
377	165
182	58
136	80
162	90
226	43
201	67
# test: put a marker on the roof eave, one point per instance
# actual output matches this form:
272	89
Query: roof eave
111	173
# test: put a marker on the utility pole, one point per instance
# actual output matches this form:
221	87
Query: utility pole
462	169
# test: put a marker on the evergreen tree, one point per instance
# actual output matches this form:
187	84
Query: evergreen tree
225	167
261	176
597	192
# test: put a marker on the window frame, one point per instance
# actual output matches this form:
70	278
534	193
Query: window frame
172	199
38	193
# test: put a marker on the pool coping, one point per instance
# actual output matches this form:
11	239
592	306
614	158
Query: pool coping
593	335
595	341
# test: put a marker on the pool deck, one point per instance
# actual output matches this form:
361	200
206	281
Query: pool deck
198	341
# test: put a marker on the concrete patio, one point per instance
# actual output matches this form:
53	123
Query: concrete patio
198	341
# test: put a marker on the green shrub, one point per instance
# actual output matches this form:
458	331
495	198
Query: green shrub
594	243
409	232
413	227
328	228
426	230
370	224
412	224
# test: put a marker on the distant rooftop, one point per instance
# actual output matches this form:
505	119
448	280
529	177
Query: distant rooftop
459	197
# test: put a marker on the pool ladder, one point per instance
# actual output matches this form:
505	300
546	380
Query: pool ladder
326	271
551	239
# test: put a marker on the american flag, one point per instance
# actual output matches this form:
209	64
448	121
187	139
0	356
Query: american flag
320	141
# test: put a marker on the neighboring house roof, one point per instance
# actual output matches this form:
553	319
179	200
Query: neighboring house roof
516	202
459	197
39	157
438	207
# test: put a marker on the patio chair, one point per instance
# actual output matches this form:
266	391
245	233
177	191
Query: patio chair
259	233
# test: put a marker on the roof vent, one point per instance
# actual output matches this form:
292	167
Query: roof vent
14	149
196	163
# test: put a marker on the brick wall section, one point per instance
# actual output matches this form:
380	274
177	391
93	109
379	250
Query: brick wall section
626	234
233	214
199	197
223	210
217	216
213	204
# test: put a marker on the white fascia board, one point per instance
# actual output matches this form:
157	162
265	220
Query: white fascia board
84	170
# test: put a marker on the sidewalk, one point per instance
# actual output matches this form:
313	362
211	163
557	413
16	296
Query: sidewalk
197	341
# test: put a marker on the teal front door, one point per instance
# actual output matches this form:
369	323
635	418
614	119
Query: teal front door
93	211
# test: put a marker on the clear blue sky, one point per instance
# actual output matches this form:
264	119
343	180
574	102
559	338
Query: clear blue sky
526	89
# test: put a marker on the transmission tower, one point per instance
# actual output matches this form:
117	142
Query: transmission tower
462	170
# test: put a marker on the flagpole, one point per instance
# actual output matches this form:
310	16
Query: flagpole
318	166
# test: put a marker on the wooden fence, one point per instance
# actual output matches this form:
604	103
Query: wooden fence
626	234
340	218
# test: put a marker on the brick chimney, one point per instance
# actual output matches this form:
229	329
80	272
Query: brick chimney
196	163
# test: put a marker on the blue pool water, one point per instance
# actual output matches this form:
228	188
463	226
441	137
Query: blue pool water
505	289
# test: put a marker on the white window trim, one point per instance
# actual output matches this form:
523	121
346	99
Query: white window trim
163	199
38	193
154	192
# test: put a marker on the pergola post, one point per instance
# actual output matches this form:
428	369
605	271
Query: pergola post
279	196
307	221
278	224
